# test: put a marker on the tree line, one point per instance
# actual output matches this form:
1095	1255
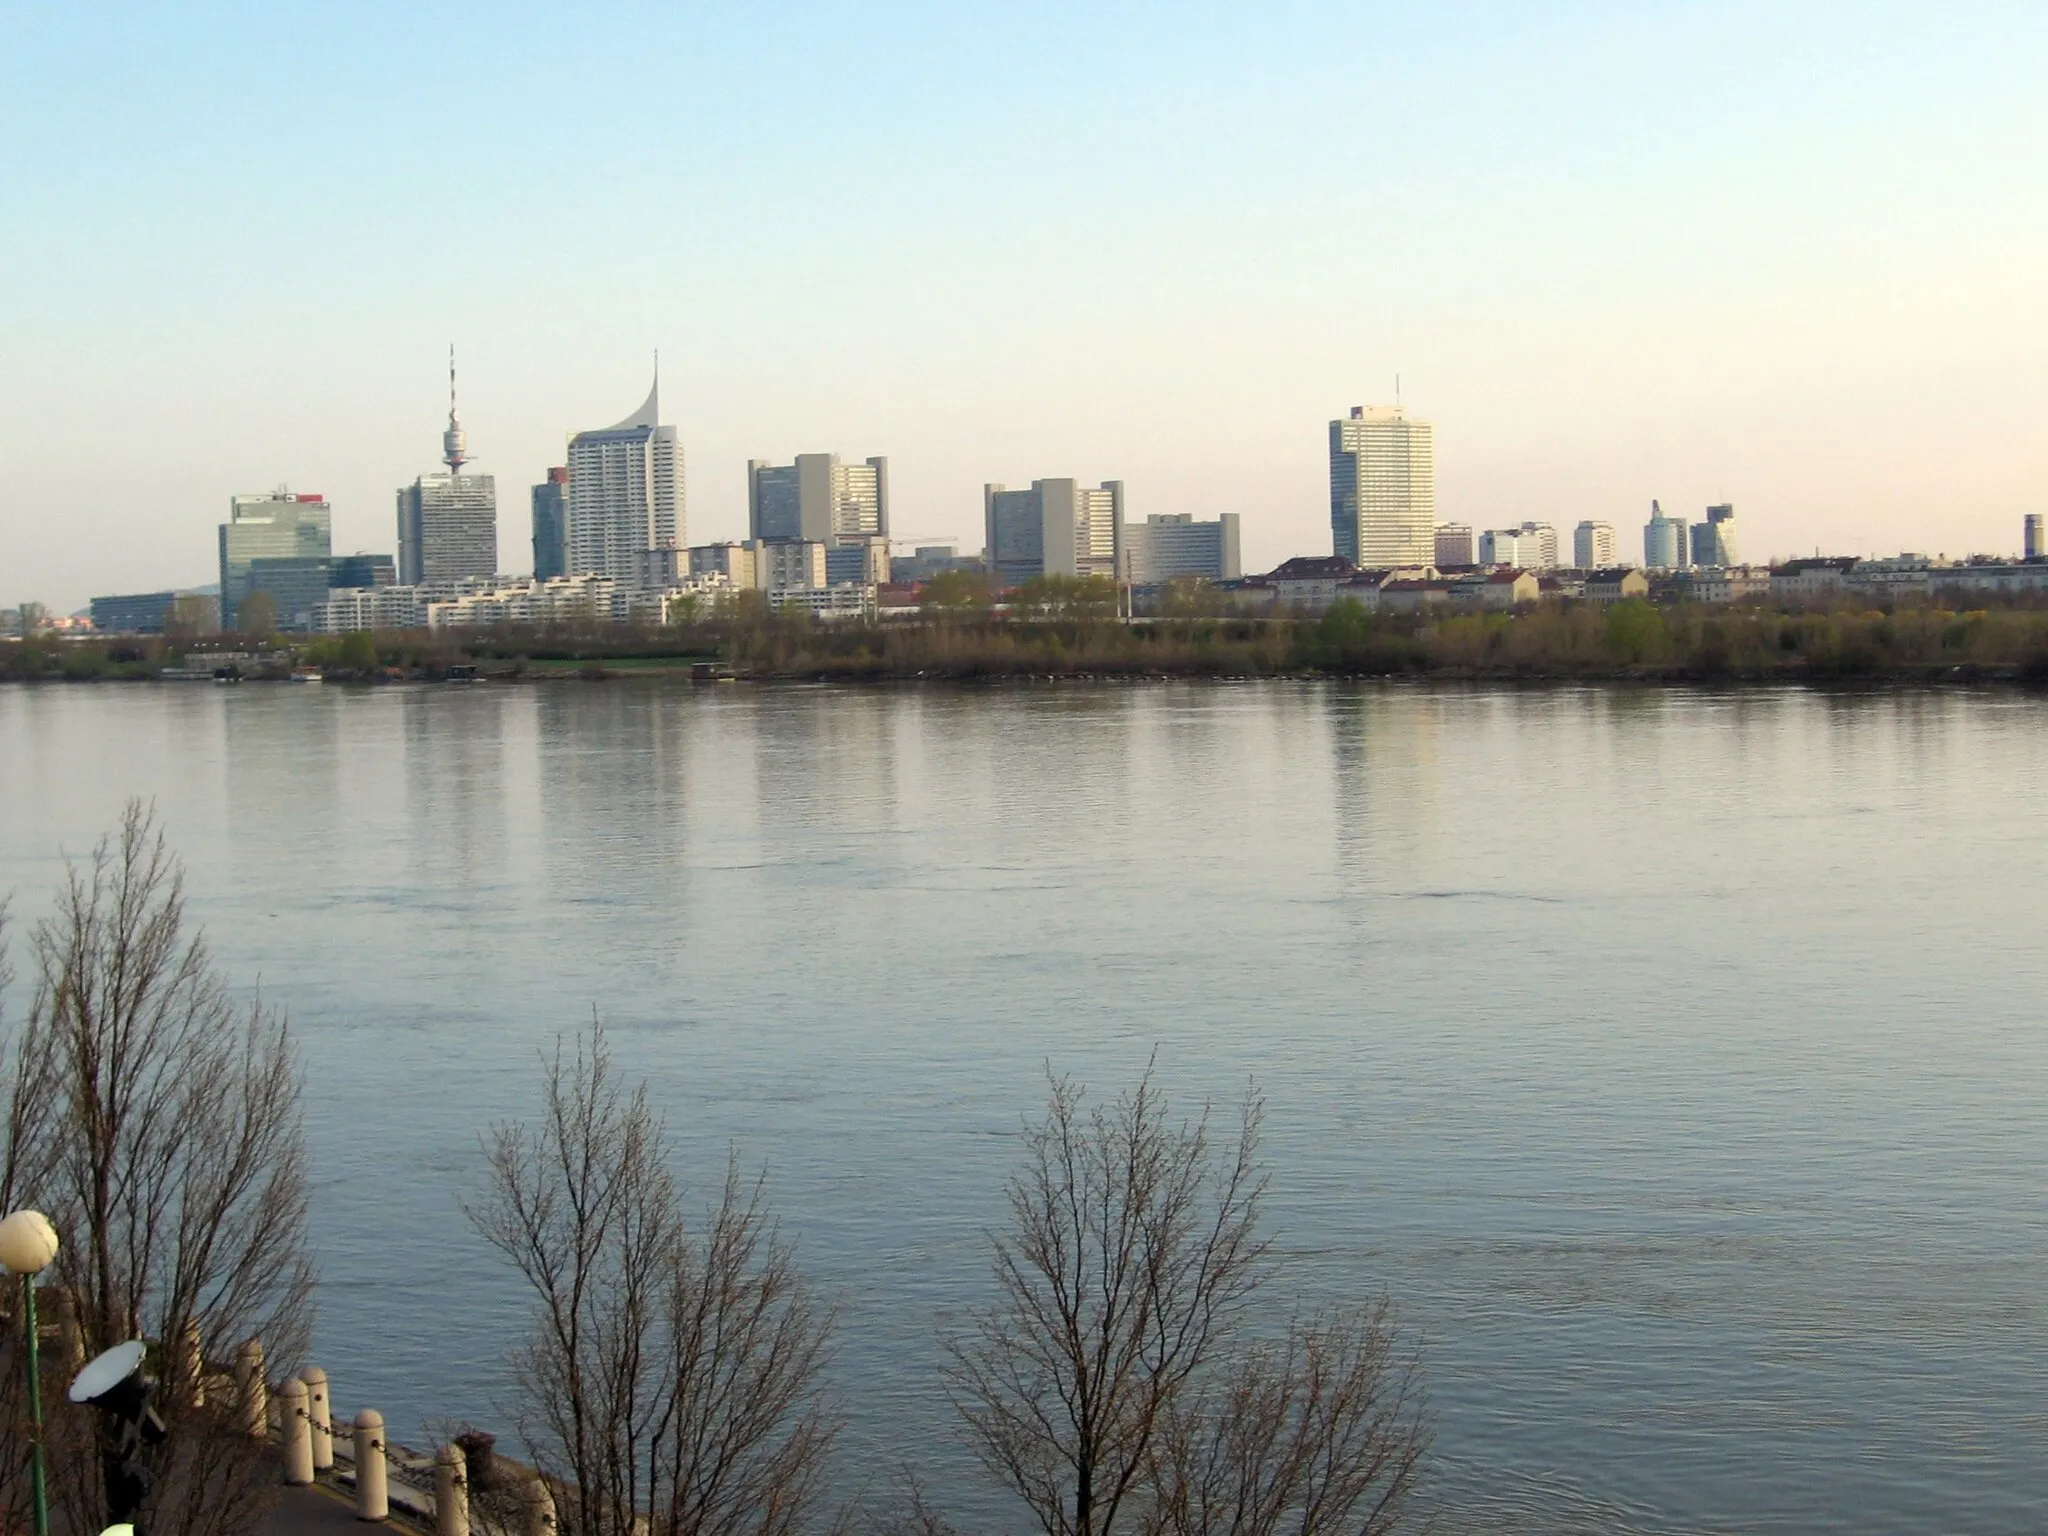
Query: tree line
1133	1367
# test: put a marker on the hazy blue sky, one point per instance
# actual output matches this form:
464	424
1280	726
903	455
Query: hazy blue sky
1793	254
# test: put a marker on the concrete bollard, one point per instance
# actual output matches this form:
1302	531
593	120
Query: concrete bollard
317	1410
373	1501
540	1508
296	1428
252	1391
451	1492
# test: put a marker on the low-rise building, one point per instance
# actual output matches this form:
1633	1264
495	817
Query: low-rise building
1616	584
137	613
1170	545
1798	582
847	600
1726	584
1494	591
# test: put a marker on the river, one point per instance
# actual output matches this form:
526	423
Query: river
1672	1058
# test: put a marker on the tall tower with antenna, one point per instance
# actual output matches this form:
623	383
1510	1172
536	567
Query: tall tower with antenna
454	446
448	523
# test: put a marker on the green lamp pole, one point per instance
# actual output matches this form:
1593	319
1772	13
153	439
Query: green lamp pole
27	1244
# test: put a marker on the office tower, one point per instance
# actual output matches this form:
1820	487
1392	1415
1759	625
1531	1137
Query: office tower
1531	547
448	524
280	526
352	571
625	493
818	498
1713	542
1666	546
1166	546
1595	546
295	584
1382	488
133	613
551	525
1057	528
2032	544
1455	544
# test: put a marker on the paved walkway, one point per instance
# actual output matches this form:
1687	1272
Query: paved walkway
317	1511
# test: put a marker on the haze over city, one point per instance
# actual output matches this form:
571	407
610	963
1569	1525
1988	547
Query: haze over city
1787	257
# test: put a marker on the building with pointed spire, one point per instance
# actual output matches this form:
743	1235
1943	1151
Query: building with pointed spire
625	494
448	523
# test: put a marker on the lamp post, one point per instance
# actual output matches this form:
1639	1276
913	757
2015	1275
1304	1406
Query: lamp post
27	1244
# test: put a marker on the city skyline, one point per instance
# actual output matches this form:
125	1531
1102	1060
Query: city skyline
1738	255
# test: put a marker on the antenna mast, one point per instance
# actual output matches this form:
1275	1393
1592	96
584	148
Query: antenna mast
454	446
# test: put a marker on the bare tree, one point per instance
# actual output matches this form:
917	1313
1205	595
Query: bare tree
157	1123
672	1376
1118	1382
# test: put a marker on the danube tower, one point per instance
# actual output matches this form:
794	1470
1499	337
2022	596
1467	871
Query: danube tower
448	524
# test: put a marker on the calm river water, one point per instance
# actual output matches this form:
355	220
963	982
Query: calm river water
1674	1059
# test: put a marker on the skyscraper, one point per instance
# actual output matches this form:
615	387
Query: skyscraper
1713	542
2032	546
280	526
625	494
1665	543
1383	488
818	500
1057	528
448	524
551	525
1595	546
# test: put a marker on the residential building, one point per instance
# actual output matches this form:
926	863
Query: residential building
625	493
280	526
1616	584
1056	528
1595	546
551	525
135	613
1311	583
1727	583
2004	578
782	565
1382	488
1903	575
1455	545
842	600
732	562
361	570
1713	542
818	499
1411	594
1665	543
1169	545
2033	538
1496	590
1798	582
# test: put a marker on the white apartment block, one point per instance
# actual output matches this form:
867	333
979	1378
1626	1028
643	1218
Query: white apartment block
1595	546
1382	488
625	494
1170	545
842	600
1056	528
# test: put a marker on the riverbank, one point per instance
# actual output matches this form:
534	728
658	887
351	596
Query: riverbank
1628	642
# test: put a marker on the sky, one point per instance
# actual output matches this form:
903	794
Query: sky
1791	255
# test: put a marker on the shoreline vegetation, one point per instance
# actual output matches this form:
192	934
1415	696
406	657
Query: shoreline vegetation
1055	637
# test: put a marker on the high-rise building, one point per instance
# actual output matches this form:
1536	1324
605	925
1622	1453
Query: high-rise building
1531	547
1713	542
1455	544
1057	528
1170	545
1666	546
551	525
1595	546
818	498
296	585
2031	537
625	493
280	526
353	571
448	524
1382	488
